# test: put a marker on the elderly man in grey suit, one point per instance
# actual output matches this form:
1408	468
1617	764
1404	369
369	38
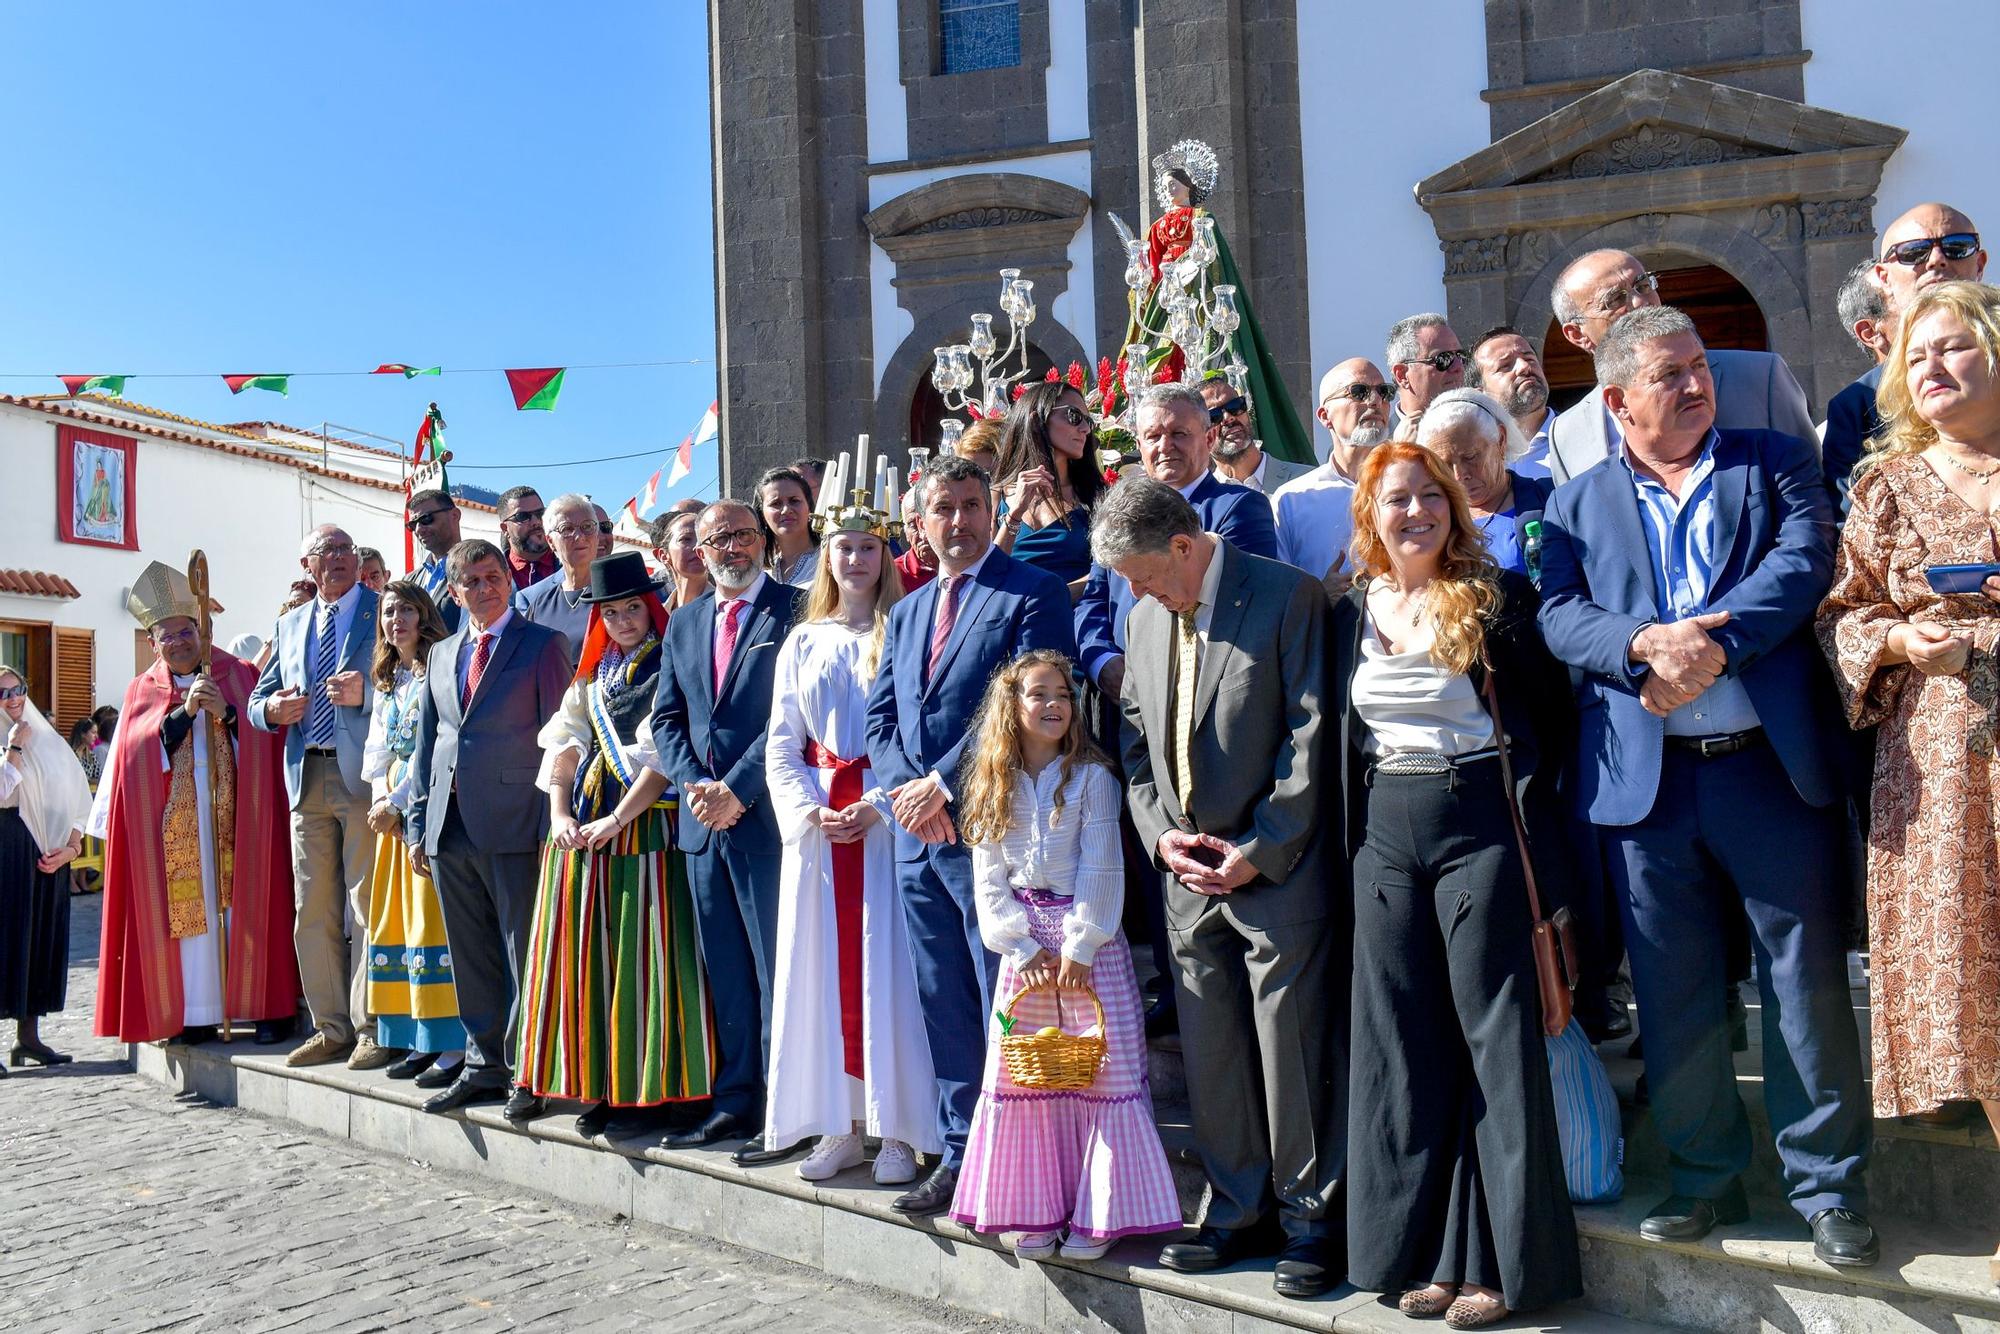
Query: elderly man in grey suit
487	691
1754	391
313	689
1223	746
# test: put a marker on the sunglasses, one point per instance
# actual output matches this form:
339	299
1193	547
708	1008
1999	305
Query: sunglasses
1959	245
525	516
1072	414
425	520
741	537
1228	409
1442	362
1358	393
12	692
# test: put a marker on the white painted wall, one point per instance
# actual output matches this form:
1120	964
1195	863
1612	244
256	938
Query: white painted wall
247	514
1067	78
1929	72
1382	105
882	72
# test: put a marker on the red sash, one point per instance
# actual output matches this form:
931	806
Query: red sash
849	863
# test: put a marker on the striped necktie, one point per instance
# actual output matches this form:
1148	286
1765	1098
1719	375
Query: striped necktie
319	722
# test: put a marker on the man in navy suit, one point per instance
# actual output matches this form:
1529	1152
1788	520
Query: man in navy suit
944	643
314	687
1850	414
1681	577
711	709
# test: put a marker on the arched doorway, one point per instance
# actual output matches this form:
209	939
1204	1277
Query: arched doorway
1722	310
927	405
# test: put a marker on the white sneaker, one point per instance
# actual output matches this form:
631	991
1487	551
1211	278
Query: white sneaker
1035	1245
1076	1248
895	1164
833	1155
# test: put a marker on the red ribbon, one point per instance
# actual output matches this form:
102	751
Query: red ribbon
849	863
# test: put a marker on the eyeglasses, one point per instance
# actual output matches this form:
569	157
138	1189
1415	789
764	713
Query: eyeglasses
1072	414
1618	298
12	692
426	519
740	537
1442	362
525	516
1358	393
174	636
577	529
1228	408
333	549
1959	245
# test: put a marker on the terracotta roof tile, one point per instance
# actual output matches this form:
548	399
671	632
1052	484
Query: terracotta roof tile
37	584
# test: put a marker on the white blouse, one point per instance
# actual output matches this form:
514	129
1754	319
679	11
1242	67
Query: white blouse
1409	703
1076	854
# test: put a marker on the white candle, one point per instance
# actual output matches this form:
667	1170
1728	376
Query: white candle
895	495
827	482
834	478
859	476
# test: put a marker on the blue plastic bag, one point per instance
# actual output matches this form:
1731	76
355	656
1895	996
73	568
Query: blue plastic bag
1587	1119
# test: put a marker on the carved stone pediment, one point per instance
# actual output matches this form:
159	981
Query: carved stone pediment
1652	148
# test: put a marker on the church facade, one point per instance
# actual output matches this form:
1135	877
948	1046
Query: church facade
877	162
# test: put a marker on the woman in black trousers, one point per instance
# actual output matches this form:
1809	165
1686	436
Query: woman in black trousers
1455	1184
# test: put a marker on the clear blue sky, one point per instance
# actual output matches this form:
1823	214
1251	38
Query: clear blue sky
271	188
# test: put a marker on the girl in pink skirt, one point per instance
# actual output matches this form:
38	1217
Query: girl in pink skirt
1071	1169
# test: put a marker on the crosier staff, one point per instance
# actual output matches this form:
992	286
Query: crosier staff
197	576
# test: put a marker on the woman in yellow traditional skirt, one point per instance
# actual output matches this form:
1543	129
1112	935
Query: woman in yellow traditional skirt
614	1004
410	989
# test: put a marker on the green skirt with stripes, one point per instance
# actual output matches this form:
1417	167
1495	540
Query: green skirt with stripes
614	1005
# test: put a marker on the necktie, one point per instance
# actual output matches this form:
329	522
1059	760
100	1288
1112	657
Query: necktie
725	649
948	586
1186	656
481	652
319	723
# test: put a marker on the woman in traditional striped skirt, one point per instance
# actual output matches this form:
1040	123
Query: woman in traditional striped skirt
410	987
614	1006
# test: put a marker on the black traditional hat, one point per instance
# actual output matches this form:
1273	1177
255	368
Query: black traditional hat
620	575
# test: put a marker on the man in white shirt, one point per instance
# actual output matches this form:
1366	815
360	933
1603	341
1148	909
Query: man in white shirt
1314	513
1239	456
1508	366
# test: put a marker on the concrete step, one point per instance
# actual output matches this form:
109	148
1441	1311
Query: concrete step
843	1227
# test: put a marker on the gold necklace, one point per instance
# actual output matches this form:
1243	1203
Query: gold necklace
1967	469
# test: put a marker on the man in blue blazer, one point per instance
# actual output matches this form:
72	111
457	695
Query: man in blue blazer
314	686
944	643
711	709
1681	577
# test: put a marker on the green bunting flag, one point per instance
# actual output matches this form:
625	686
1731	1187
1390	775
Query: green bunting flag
112	386
277	384
405	370
536	389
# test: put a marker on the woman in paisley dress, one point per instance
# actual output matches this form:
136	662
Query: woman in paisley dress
410	987
614	1005
1921	668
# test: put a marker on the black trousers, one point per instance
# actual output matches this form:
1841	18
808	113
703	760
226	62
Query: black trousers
488	900
1454	1168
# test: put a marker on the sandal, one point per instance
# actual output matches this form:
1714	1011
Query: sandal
1476	1310
1427	1301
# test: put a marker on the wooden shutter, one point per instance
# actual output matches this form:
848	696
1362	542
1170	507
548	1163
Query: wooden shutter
75	692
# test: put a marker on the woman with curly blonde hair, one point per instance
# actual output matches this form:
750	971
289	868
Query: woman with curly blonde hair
1453	1155
1078	1169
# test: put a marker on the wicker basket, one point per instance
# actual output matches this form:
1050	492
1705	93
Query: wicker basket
1054	1060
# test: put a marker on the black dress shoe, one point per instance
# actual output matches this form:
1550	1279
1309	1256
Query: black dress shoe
1307	1267
594	1120
931	1196
754	1154
1619	1025
524	1105
718	1126
1220	1247
196	1034
412	1065
1690	1218
270	1032
464	1093
39	1053
439	1076
1844	1239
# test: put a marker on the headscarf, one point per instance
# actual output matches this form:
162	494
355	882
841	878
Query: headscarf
54	792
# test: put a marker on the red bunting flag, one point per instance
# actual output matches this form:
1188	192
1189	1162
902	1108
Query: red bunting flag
112	386
536	389
705	430
652	493
405	370
277	384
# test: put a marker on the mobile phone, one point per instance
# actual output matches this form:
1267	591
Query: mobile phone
1959	578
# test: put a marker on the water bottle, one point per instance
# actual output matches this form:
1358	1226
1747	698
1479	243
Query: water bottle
1531	549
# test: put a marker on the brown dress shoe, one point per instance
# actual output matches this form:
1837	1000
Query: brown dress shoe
319	1049
368	1055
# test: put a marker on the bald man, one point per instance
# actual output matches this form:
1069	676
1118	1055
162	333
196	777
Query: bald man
1313	512
1753	390
1930	244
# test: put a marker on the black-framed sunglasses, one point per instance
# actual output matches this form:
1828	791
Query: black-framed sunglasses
1959	245
604	526
1228	408
1440	361
1358	393
425	520
1072	414
12	692
525	516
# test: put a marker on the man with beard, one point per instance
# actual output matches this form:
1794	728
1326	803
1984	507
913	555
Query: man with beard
529	560
1314	514
1506	365
1239	457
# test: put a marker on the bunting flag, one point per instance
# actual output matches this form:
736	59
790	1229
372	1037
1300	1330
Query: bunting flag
427	472
408	372
651	493
707	430
536	389
110	385
277	384
630	524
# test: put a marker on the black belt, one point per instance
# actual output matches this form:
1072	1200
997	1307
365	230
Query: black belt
327	751
1714	747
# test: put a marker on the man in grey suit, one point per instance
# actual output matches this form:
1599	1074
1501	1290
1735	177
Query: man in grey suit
1754	391
488	690
313	688
1238	455
1223	745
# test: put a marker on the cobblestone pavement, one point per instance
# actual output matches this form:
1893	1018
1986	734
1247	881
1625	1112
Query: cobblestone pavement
126	1208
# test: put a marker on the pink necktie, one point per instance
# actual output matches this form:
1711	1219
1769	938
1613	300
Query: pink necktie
481	652
732	610
948	586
